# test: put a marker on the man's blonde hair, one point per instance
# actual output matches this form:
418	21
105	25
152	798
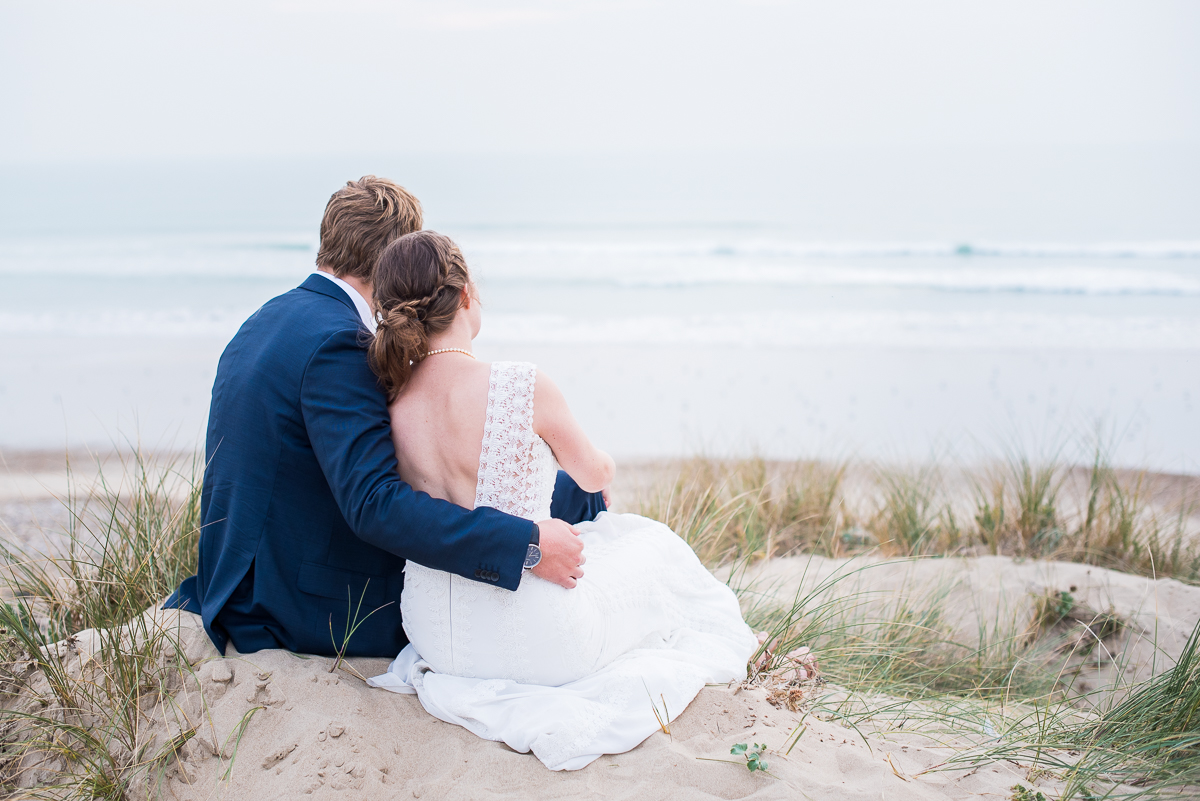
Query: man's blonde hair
361	220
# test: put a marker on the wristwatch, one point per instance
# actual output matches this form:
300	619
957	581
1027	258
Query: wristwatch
533	554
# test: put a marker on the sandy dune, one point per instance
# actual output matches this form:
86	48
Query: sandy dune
329	735
996	594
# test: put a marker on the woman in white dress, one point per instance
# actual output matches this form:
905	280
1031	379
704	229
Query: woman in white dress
569	673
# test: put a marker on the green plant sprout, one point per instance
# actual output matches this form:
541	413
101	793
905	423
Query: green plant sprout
754	756
1022	793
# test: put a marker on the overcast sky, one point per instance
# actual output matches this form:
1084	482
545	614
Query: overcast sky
83	80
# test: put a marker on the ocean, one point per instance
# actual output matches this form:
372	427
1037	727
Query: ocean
722	334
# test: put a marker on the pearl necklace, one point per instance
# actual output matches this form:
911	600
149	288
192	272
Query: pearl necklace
449	350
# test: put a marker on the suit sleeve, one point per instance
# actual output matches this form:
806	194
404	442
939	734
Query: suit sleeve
349	427
572	504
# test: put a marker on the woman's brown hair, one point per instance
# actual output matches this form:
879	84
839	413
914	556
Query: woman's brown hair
418	288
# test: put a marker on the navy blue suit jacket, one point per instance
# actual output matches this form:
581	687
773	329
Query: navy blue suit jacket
303	512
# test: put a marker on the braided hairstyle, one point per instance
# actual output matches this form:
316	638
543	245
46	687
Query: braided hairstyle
418	289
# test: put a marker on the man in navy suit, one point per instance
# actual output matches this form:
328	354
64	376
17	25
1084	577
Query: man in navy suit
305	521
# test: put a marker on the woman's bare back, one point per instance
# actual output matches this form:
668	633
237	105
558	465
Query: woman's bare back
437	426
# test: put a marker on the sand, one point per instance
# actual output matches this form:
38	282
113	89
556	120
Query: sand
330	736
312	732
306	731
309	732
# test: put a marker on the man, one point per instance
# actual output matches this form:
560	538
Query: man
305	520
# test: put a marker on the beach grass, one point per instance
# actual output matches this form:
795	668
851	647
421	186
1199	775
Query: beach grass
92	682
733	510
899	666
84	667
1144	744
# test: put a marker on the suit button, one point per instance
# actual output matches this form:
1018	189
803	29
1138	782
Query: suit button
494	576
478	574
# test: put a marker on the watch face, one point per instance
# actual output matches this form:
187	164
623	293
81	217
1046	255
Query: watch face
533	555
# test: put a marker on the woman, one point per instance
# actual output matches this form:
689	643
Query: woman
562	672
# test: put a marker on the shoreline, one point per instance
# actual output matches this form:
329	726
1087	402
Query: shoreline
663	400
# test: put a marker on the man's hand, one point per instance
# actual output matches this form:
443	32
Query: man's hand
562	553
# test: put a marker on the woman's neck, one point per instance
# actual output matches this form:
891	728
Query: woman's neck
457	336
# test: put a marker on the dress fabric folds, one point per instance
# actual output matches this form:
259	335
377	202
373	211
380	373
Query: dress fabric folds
567	674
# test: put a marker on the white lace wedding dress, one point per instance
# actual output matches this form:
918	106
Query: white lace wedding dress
568	674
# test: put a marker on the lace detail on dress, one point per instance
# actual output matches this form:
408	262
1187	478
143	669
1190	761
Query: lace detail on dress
508	476
516	475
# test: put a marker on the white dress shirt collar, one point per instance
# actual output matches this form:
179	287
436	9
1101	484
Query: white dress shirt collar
360	303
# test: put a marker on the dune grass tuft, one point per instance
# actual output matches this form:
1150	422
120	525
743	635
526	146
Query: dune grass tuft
913	518
83	666
751	509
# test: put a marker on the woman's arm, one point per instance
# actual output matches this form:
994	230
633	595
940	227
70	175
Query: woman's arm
592	468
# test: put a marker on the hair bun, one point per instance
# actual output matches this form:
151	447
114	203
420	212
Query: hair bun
420	280
401	314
